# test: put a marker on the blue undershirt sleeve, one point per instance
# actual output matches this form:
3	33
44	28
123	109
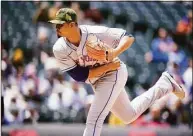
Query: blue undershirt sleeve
79	73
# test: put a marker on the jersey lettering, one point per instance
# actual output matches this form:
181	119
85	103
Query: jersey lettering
87	58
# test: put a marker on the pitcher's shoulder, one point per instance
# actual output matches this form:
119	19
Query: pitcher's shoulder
93	28
60	46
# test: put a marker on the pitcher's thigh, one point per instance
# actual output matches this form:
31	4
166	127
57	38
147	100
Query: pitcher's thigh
107	89
106	92
122	107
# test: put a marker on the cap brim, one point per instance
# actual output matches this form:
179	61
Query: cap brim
56	22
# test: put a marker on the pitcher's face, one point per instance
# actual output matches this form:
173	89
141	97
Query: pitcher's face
65	29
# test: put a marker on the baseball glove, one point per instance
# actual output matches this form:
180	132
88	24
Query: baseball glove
97	49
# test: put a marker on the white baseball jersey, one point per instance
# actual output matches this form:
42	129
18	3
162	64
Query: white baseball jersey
69	55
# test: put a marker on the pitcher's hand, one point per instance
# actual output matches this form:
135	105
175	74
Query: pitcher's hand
114	65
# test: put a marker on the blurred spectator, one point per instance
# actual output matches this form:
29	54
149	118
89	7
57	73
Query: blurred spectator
41	18
156	121
43	34
58	101
14	106
183	34
41	52
151	118
47	75
182	113
67	98
41	14
29	89
6	71
79	96
184	26
16	78
178	61
81	17
29	84
52	10
168	116
173	110
187	77
160	47
61	95
94	15
31	115
82	14
18	58
78	103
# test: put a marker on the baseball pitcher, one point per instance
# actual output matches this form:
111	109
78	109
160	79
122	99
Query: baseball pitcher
91	54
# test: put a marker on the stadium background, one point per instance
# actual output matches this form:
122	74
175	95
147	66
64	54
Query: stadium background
39	100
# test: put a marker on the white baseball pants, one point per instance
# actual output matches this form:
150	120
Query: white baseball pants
110	95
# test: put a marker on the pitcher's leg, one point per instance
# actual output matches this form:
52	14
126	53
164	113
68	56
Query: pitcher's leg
99	110
106	92
130	111
122	107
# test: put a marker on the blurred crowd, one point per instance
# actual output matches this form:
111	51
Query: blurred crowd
168	49
34	90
